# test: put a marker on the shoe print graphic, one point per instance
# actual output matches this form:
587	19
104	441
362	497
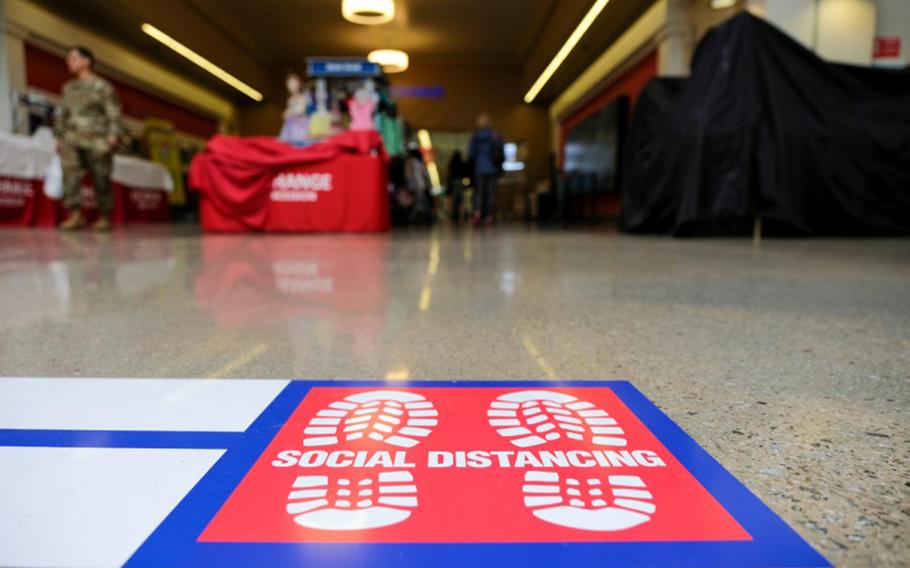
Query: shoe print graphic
532	418
615	503
344	504
376	499
396	418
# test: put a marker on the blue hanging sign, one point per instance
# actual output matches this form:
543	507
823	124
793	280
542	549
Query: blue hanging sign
418	91
342	68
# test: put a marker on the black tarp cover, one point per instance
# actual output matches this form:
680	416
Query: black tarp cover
765	128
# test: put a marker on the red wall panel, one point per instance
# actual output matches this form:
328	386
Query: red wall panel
630	84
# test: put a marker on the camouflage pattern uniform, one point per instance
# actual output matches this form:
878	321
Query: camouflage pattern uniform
88	114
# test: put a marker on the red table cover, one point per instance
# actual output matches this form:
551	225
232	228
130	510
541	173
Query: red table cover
23	203
263	184
132	205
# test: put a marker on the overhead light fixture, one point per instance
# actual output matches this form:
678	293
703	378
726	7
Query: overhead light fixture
391	60
722	4
368	12
202	62
567	48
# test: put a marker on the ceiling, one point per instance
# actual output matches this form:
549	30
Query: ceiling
258	40
465	30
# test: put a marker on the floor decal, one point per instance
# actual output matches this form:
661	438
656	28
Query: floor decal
360	473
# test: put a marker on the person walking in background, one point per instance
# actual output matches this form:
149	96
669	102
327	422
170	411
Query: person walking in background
486	154
87	127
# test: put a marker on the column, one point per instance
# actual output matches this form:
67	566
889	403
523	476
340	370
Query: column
674	41
6	100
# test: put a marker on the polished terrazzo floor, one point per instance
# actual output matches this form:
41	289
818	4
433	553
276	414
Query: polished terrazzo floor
788	361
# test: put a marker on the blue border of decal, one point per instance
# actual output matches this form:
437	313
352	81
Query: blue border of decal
119	439
173	543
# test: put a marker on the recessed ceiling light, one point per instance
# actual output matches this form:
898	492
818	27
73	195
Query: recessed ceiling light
368	12
722	4
202	62
391	60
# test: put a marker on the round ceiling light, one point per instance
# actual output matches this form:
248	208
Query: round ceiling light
368	12
722	4
391	60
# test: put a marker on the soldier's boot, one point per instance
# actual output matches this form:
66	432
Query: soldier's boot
73	223
103	224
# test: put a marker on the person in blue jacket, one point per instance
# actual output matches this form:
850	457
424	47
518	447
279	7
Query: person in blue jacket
485	152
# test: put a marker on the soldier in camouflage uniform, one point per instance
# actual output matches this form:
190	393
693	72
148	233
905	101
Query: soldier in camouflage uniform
88	126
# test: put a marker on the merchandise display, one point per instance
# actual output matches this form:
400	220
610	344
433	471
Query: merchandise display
339	95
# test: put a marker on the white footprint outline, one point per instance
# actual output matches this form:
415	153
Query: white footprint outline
531	418
398	418
368	504
631	504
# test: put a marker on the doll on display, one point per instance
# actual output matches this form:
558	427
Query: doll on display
321	119
362	106
390	126
296	126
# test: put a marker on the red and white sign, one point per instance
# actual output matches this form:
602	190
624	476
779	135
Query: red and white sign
887	47
131	204
18	200
143	205
468	465
300	186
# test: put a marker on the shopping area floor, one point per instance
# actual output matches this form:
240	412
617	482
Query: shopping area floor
788	361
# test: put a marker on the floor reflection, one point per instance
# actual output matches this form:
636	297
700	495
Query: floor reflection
49	276
319	285
301	294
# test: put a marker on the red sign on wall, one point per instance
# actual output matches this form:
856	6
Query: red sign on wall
470	465
887	47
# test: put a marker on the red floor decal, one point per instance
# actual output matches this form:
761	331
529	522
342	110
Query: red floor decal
427	465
